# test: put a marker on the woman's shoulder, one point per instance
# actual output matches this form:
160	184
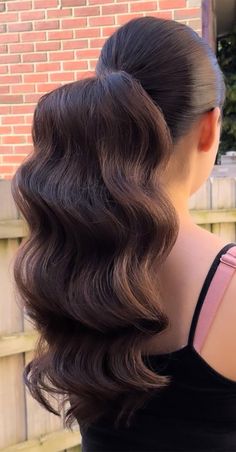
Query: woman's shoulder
219	346
181	280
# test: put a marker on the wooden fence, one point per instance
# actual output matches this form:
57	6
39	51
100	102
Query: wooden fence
24	425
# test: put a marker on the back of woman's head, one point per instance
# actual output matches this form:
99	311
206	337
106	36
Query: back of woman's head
100	221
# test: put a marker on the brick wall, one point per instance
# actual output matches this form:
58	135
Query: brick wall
46	43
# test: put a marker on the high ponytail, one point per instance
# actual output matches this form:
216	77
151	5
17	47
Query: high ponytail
100	225
103	224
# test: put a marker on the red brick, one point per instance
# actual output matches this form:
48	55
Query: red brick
73	2
14	158
4	130
21	68
87	33
99	2
10	79
21	149
46	87
13	120
92	64
187	13
95	21
12	139
22	109
75	44
21	129
6	149
6	169
34	57
34	36
55	13
3	69
60	35
9	37
11	99
87	11
9	17
31	98
3	28
115	9
28	119
47	46
88	53
47	67
4	59
122	19
18	6
23	88
47	25
62	77
74	23
2	7
6	109
20	48
32	15
20	27
97	43
3	48
107	31
83	74
43	4
60	56
143	6
172	4
72	66
163	14
4	89
34	78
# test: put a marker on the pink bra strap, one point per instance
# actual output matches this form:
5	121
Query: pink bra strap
217	288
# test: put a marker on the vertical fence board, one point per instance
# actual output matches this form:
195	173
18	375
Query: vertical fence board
223	196
12	398
201	199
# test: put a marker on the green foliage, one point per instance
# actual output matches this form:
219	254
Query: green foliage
226	54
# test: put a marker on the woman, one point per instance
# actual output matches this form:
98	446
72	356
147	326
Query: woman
121	284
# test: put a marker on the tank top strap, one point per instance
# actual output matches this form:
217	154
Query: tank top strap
213	289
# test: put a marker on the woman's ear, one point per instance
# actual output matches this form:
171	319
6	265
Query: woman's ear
209	130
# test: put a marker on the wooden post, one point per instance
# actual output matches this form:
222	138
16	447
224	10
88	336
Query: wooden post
209	32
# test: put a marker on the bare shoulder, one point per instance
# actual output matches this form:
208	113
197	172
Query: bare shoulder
219	348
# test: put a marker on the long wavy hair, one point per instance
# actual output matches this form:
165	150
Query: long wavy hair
99	218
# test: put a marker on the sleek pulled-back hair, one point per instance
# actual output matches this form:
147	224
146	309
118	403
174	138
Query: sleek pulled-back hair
100	221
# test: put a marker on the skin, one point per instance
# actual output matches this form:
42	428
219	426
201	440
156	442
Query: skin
198	150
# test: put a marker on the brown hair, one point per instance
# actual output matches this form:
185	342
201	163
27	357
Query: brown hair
100	221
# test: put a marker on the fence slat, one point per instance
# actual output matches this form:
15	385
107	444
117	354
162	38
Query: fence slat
223	196
12	394
201	200
52	442
208	217
17	228
10	344
10	229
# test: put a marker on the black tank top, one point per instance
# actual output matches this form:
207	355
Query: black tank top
197	412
